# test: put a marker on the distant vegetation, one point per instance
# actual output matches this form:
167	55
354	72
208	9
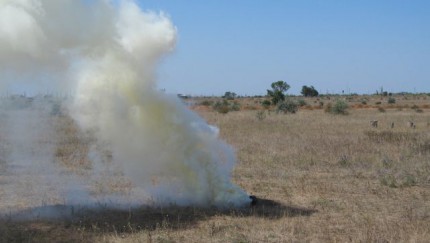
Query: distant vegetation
332	104
225	106
339	108
230	95
350	163
288	106
277	93
278	101
391	100
309	91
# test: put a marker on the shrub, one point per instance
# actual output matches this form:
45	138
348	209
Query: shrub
398	181
343	160
409	180
381	109
288	106
230	95
222	107
225	106
389	180
339	108
206	103
266	104
301	102
235	106
391	100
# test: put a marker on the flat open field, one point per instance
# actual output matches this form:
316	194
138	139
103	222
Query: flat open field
320	178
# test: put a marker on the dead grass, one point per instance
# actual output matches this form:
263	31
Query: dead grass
73	145
321	178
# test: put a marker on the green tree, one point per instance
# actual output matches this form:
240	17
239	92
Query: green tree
278	91
309	91
229	95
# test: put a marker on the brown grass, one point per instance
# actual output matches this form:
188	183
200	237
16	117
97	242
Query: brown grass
320	178
73	145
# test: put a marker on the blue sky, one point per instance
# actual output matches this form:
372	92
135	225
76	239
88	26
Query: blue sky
334	45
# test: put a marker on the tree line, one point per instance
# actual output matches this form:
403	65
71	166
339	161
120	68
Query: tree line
279	88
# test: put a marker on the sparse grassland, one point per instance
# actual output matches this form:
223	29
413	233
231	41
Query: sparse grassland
322	178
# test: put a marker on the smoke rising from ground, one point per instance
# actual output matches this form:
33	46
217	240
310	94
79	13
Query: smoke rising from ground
107	54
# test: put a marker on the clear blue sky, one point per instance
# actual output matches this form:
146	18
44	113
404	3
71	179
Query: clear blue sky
334	45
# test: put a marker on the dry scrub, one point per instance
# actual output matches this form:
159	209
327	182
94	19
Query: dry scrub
323	178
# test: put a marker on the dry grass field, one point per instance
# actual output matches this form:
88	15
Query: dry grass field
320	178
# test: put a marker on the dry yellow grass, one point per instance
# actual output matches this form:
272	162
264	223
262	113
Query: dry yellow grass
329	163
321	178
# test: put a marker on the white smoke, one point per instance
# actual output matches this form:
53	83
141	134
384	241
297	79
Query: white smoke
107	52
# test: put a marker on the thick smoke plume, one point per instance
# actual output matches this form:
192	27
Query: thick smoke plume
106	53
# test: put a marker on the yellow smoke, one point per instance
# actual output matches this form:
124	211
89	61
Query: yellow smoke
108	54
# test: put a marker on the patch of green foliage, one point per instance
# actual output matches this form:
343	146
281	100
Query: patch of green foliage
225	106
339	108
288	106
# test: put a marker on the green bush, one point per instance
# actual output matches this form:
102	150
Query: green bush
391	100
288	106
235	106
221	107
225	106
301	102
339	108
206	103
266	104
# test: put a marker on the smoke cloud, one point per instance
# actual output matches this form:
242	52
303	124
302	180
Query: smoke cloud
107	53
